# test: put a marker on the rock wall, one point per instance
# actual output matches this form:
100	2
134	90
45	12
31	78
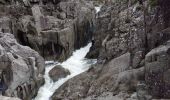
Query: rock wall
119	29
54	28
21	69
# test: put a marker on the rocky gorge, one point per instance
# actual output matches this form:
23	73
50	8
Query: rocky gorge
129	39
53	29
131	42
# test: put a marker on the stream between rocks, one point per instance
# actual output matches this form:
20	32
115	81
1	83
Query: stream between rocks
76	64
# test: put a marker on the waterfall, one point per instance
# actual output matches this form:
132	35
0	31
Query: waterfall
97	8
76	64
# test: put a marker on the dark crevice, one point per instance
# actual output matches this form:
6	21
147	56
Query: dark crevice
22	39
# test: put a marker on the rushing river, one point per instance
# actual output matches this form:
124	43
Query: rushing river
76	64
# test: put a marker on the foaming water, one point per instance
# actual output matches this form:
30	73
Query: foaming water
97	8
76	64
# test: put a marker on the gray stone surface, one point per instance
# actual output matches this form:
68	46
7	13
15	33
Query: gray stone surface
72	20
21	68
58	72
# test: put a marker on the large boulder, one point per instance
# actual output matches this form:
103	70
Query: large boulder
21	70
58	72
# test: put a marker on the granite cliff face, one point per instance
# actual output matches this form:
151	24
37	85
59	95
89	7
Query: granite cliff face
54	28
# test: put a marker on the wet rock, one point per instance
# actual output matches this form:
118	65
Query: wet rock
58	72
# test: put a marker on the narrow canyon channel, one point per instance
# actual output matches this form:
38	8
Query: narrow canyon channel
76	64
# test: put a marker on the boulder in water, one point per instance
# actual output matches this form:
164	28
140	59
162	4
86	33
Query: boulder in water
58	72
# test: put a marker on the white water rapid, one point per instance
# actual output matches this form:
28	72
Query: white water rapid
97	8
76	64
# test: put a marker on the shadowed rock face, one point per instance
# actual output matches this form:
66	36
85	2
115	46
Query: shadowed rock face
54	28
21	70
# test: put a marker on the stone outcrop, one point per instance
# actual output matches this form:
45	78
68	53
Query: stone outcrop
21	70
58	72
54	28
